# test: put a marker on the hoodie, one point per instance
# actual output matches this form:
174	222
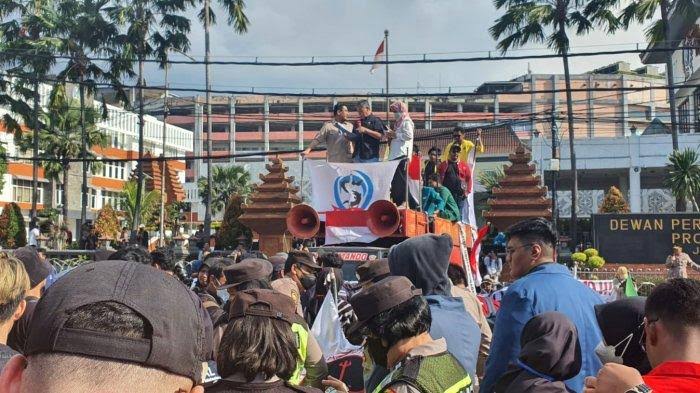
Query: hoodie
617	320
550	354
424	260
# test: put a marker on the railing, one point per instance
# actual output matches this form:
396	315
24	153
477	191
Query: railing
66	260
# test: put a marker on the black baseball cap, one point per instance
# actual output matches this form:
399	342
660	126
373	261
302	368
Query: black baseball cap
275	305
302	258
373	271
382	296
246	270
181	338
37	268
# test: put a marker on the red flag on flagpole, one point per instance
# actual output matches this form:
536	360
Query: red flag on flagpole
476	249
378	56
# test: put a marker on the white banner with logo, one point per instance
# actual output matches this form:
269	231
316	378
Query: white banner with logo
341	186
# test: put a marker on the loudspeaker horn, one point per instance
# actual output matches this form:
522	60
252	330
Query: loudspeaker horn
303	221
383	218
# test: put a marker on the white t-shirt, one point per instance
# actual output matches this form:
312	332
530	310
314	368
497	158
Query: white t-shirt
33	236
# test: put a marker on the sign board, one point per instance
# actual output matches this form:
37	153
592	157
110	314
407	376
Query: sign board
645	238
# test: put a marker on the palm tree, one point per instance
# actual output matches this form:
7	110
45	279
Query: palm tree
136	210
644	10
226	181
235	10
550	21
151	28
490	179
684	175
61	138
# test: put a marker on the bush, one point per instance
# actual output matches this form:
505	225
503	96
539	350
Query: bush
614	202
591	252
13	233
595	262
107	223
579	257
231	229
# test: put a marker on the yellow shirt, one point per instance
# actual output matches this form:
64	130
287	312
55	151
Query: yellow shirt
466	146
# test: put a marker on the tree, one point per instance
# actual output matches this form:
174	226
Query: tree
684	175
551	21
151	28
231	229
173	215
235	10
225	182
12	229
107	223
657	33
60	139
490	179
614	202
147	206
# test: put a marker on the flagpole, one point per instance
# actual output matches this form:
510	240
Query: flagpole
386	63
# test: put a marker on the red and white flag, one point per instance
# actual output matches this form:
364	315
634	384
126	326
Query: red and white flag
348	226
474	253
414	177
468	213
378	56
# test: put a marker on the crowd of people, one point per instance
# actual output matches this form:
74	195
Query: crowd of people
241	323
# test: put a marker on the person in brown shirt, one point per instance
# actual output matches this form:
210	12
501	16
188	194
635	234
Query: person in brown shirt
335	135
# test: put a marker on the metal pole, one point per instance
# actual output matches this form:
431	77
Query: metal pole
555	174
386	63
161	240
35	153
207	211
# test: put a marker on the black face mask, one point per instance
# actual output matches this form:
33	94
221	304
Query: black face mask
377	351
308	281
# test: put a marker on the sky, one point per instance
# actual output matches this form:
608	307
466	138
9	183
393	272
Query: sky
297	30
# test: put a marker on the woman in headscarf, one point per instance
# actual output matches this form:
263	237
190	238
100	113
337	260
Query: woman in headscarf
402	135
549	354
622	325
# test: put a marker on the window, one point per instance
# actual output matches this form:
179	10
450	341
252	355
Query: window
58	195
111	198
22	191
696	98
114	170
92	199
684	117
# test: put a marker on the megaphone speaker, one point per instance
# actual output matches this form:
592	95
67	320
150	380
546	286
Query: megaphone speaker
303	221
383	218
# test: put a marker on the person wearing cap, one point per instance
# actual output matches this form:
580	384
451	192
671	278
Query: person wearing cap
277	262
258	351
457	314
38	270
14	282
395	320
214	297
367	274
254	273
330	278
335	135
113	326
300	273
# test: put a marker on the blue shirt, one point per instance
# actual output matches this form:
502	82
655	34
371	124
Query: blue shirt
547	287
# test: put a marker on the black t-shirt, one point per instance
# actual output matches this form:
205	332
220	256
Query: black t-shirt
367	147
453	182
228	386
5	354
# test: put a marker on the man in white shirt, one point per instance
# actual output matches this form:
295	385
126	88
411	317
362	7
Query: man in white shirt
493	265
34	234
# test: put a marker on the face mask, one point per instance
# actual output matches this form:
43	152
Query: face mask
376	351
308	281
397	115
606	353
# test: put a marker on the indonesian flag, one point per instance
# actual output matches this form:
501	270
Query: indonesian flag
414	177
378	56
348	226
475	251
468	214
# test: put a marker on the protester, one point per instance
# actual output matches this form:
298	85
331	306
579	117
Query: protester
438	200
214	297
14	282
133	253
34	233
622	325
494	265
401	136
142	237
549	354
367	134
199	240
335	135
38	271
300	273
113	326
678	262
432	164
541	285
199	285
465	145
67	236
277	262
258	351
396	321
455	175
457	314
672	343
330	278
163	258
620	284
124	237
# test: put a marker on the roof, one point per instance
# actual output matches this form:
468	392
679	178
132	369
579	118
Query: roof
173	187
499	140
656	127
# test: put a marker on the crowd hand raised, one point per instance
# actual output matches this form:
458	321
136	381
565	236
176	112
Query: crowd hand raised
336	384
614	378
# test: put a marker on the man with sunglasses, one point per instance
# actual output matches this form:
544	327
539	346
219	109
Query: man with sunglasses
671	339
541	285
465	145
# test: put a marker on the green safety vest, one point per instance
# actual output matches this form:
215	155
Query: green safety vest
436	373
302	337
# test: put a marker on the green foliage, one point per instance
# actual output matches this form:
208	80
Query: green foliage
684	175
614	202
173	215
640	11
226	181
107	223
150	203
591	252
231	228
3	163
490	179
579	257
13	233
595	262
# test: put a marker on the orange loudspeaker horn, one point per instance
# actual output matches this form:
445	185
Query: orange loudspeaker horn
303	221
383	218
